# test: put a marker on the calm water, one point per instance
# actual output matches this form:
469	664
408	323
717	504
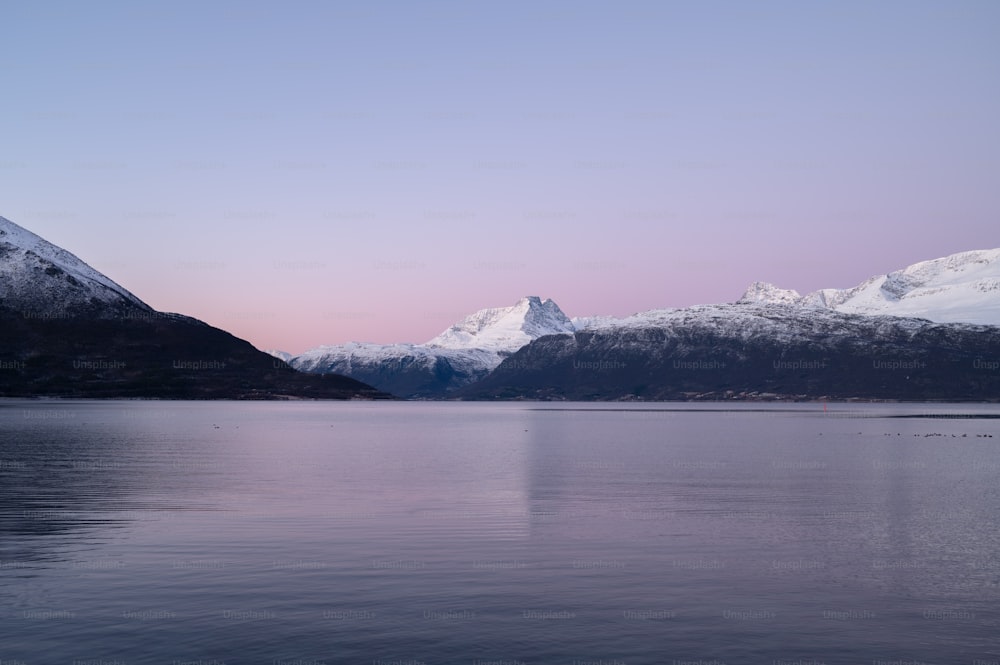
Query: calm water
383	534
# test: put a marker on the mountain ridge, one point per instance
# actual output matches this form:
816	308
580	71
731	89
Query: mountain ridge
460	355
70	330
443	365
754	351
66	330
958	288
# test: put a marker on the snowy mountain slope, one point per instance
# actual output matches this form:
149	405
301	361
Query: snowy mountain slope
753	351
961	288
784	323
353	355
928	331
764	292
462	354
44	281
409	370
505	329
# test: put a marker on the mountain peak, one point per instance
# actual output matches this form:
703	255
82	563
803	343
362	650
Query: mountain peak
45	281
767	293
506	329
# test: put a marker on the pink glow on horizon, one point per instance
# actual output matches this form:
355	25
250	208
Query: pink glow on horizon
377	174
269	315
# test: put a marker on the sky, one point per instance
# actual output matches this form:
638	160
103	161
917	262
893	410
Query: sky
306	173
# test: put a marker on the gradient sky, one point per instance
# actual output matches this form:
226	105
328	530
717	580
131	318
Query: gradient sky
302	173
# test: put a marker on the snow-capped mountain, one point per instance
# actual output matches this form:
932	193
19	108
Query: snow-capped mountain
506	329
67	330
928	331
753	351
464	353
961	288
763	292
42	280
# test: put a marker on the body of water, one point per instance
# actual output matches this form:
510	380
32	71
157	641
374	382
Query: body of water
424	533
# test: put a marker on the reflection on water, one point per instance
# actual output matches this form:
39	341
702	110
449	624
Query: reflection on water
162	532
